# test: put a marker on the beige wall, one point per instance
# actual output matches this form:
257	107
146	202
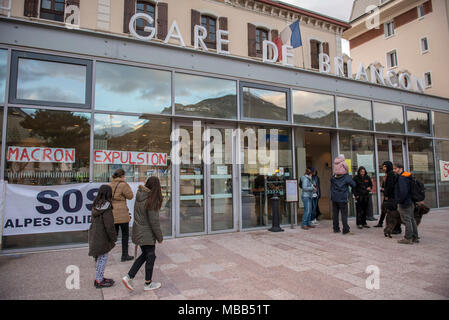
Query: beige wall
406	41
237	24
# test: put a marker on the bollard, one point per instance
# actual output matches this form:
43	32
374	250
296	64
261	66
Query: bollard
275	214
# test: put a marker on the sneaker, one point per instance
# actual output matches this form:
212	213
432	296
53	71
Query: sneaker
314	222
108	280
348	232
360	226
405	241
366	226
128	282
396	232
337	231
127	258
151	286
103	284
415	240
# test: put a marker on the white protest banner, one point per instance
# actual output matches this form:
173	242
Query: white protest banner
44	209
130	157
40	154
367	161
444	170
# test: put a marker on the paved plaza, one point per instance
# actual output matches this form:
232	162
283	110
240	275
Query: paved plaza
295	264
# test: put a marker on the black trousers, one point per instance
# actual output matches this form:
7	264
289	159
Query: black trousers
337	208
148	257
125	236
362	210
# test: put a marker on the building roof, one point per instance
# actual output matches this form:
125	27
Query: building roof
359	7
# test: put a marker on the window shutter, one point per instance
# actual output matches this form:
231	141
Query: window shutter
314	54
31	8
427	7
195	20
274	35
326	48
223	25
162	20
251	40
130	10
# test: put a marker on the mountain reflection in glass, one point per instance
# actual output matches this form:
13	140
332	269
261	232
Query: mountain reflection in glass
132	89
205	97
354	114
3	62
388	118
418	122
264	104
313	108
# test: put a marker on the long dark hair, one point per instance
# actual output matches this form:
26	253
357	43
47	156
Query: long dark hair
104	195
118	173
154	201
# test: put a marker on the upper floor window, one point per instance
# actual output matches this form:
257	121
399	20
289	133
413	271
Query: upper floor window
261	36
421	11
392	59
389	29
52	10
149	9
317	47
210	23
428	79
424	45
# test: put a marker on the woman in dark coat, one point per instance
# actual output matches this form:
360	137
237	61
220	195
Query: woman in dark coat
362	192
146	231
102	235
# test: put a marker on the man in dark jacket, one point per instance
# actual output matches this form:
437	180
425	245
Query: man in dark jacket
403	197
362	192
388	187
339	196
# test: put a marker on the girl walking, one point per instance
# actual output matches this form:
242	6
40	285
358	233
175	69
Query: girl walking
102	235
146	231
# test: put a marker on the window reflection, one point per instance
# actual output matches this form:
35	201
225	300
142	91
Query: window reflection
46	147
389	118
418	122
264	104
51	81
354	114
3	63
206	97
132	89
313	108
440	127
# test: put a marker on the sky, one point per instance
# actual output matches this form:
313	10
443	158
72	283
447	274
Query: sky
340	9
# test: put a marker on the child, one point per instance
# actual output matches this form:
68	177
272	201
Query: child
102	235
146	231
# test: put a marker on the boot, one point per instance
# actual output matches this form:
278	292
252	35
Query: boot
127	257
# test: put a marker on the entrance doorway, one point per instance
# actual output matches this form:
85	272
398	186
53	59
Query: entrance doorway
314	150
205	196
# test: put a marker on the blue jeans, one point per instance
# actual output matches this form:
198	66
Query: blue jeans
307	211
314	206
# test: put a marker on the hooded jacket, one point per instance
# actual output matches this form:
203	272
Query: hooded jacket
340	187
340	166
102	235
390	181
403	195
362	184
146	226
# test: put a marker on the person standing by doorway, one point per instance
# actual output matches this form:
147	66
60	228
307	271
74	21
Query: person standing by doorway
403	197
121	191
340	183
362	192
146	231
316	196
307	195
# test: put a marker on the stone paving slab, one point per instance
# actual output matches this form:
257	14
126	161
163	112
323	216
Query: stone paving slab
259	265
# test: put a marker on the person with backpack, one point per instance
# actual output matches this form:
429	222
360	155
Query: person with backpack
101	234
340	183
362	194
307	194
403	197
121	192
146	231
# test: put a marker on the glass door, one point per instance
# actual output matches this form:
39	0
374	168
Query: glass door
206	180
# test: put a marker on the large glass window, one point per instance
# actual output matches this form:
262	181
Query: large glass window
205	97
3	64
261	181
442	156
46	147
141	147
354	114
358	150
264	104
132	89
418	122
313	108
422	166
440	124
388	118
50	80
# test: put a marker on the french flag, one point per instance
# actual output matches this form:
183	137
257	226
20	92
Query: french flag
291	36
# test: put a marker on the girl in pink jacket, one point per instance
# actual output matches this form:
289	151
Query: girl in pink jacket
340	166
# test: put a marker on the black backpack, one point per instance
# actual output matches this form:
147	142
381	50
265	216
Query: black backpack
417	189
